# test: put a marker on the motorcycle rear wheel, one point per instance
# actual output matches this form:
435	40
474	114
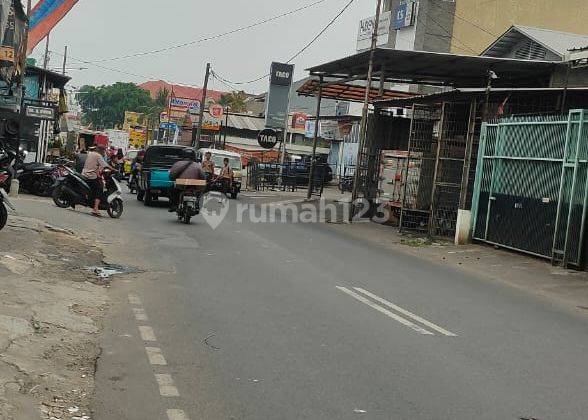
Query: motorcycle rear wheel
116	208
187	217
60	198
3	216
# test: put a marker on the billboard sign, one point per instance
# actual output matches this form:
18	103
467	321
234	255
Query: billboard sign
184	104
403	15
366	31
133	119
299	122
278	97
210	122
216	111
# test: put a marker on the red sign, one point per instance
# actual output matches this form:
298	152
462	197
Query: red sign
299	121
216	111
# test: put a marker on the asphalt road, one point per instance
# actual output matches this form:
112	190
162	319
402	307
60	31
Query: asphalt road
297	321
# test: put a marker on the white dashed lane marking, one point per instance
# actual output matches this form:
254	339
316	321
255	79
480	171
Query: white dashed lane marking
166	384
140	314
176	415
134	300
155	356
147	333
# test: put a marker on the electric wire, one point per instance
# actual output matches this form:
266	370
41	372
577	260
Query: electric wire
212	37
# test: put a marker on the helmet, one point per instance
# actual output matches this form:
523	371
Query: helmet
188	154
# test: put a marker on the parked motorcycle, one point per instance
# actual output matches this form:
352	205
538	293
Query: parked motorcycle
73	190
37	178
10	156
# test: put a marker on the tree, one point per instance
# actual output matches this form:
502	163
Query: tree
105	106
234	100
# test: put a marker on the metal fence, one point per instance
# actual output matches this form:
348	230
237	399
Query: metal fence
531	185
286	177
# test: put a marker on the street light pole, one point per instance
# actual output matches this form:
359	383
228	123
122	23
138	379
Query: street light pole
315	139
366	104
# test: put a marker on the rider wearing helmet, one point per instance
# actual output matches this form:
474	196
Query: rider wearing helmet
187	168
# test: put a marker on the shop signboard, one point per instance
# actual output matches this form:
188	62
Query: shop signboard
210	122
404	15
366	31
267	138
299	122
40	112
137	138
186	105
216	111
133	119
278	97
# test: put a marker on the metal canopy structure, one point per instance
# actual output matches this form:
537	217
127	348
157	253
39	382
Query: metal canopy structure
349	92
431	68
467	94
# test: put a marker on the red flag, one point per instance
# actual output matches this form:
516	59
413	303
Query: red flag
44	17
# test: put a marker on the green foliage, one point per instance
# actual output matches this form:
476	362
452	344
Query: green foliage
234	100
105	106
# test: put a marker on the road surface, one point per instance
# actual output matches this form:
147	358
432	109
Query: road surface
297	321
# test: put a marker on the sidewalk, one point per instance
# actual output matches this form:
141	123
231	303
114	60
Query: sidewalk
537	276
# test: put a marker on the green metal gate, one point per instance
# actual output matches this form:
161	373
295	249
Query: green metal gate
531	185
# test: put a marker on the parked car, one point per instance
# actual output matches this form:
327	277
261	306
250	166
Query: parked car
153	177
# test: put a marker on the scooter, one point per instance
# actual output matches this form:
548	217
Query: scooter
73	190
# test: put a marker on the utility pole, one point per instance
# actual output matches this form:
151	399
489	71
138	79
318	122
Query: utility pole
46	58
202	105
315	140
64	59
364	114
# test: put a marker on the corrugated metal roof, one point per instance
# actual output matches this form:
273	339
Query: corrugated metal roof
434	68
246	122
557	42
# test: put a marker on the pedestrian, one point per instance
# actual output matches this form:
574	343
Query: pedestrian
208	166
226	176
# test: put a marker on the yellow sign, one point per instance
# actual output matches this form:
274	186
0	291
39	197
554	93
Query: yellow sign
6	53
133	119
137	138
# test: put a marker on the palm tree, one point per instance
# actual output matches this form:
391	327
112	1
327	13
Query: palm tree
234	100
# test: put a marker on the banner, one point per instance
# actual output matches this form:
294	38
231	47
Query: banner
44	17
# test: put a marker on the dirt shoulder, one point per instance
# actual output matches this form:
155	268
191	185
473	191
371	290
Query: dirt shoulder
51	311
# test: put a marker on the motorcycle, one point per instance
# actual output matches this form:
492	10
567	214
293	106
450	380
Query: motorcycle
73	190
190	198
37	178
9	158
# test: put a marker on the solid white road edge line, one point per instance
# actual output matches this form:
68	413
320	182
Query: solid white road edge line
166	385
406	313
155	356
385	311
147	333
176	415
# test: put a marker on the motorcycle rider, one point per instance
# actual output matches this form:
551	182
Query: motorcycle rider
187	168
94	164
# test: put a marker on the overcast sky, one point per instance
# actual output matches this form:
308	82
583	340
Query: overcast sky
98	29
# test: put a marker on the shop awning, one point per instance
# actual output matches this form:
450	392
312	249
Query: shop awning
348	92
431	68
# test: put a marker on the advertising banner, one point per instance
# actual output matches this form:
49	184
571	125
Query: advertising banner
366	30
133	119
278	97
185	105
403	15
